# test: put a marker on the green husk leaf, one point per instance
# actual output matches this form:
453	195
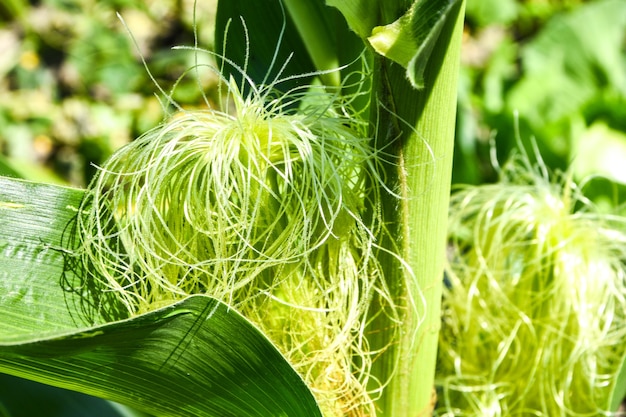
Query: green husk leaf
260	40
194	358
285	43
364	15
361	15
313	21
410	40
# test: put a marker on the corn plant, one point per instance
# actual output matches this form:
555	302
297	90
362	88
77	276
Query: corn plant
280	255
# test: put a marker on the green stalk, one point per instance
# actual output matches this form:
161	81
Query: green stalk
420	171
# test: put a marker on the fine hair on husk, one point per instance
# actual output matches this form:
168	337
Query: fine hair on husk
534	307
258	203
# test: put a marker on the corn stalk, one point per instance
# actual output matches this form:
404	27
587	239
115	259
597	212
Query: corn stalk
423	120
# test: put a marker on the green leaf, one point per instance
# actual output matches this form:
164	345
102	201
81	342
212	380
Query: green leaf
249	34
315	39
410	40
362	15
33	218
6	168
313	21
194	358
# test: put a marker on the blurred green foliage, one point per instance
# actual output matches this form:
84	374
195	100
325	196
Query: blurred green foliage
73	87
555	68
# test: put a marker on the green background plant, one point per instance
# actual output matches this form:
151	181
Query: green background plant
566	83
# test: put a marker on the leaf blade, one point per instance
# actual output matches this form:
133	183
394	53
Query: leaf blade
259	39
195	358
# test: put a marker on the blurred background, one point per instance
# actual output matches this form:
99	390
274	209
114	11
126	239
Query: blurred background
73	87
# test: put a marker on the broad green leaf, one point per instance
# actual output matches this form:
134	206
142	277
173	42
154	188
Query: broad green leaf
410	40
194	358
261	40
312	22
33	218
362	15
316	39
